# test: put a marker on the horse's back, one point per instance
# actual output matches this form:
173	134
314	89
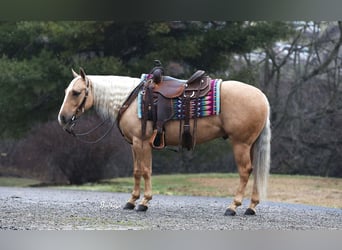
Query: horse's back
240	90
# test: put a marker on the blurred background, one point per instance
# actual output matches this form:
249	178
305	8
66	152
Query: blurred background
296	64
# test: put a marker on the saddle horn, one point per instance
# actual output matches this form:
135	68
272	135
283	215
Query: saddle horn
157	72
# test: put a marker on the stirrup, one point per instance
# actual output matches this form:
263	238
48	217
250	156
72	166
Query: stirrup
157	140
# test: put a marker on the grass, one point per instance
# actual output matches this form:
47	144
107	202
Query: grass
17	182
320	191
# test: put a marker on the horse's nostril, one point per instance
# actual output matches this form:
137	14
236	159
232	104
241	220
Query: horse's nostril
62	119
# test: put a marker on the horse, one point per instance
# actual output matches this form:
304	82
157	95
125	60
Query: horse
244	118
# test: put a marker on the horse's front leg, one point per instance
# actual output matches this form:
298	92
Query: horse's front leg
142	160
137	173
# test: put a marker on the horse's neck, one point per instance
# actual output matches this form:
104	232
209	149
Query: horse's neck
110	92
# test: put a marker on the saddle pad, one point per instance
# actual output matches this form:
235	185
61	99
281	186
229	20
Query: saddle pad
207	105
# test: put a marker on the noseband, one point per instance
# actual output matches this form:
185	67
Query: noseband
82	105
79	109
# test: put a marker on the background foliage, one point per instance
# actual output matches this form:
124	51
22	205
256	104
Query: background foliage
297	64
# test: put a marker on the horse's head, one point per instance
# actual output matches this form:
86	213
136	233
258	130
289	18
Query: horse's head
78	98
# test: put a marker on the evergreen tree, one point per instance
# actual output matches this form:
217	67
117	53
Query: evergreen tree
36	57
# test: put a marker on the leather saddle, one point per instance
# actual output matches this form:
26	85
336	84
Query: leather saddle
158	107
159	93
171	87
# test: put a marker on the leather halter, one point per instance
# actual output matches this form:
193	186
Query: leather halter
79	109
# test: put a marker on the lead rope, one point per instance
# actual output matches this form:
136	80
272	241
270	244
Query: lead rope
78	135
91	130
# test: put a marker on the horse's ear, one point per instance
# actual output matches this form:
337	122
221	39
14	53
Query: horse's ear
74	73
82	73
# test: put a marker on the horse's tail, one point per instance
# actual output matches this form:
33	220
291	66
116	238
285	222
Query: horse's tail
262	158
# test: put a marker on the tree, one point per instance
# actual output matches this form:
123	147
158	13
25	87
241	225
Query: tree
301	77
36	57
297	65
35	63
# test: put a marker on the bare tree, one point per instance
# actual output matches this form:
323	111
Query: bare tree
302	79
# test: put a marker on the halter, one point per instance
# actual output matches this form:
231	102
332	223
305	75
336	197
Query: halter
82	105
81	108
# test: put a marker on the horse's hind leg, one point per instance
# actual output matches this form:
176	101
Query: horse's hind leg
243	160
142	160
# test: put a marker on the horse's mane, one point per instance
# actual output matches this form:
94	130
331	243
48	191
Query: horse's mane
110	92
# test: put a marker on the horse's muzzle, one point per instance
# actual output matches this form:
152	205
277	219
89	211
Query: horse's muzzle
62	120
67	124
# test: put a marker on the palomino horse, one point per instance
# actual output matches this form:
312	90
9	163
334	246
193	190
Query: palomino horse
244	118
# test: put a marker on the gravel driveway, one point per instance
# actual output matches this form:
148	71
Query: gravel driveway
49	208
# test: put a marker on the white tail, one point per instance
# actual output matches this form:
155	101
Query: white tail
262	158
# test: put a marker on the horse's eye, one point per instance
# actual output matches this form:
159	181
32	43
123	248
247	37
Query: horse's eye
76	93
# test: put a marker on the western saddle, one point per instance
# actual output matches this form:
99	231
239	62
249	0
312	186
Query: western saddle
158	93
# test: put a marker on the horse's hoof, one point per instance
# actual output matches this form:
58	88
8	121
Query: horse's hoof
129	206
250	211
230	212
142	208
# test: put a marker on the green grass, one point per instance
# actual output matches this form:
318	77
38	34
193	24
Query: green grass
17	182
179	184
176	184
282	188
185	184
312	190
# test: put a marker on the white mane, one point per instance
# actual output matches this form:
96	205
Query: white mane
110	92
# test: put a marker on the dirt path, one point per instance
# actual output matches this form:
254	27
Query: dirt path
46	208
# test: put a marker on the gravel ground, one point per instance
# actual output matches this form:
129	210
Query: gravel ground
49	208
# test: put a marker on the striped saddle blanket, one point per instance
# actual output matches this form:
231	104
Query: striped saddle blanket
207	105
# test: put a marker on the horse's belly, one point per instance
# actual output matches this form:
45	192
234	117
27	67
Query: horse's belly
208	128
